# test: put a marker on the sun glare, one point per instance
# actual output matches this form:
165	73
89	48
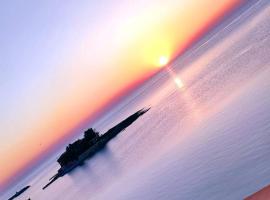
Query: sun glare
163	60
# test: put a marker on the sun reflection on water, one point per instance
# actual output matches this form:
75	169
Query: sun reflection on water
176	79
179	83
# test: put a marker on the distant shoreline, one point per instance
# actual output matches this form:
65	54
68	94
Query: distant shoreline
85	148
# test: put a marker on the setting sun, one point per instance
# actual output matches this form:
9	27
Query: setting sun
163	60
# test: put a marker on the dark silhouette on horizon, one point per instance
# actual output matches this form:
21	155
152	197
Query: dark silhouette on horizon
92	142
19	192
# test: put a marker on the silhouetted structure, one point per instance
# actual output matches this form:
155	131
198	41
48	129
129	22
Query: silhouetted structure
19	192
74	150
89	145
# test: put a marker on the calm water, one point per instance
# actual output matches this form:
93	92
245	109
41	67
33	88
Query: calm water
209	139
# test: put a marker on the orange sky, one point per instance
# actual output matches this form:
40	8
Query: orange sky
99	58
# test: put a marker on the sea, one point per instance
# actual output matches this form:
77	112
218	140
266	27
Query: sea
206	136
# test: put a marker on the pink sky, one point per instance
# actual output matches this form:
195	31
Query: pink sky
69	61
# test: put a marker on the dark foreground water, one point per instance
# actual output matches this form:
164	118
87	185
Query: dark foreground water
207	135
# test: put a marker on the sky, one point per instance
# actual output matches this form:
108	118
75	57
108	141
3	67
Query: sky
63	61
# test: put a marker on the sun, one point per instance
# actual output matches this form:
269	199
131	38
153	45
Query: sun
163	60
